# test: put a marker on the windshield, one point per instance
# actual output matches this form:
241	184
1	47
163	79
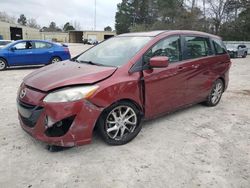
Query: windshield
8	45
115	52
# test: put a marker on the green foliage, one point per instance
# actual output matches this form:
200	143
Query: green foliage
108	28
123	17
52	28
22	20
228	18
68	27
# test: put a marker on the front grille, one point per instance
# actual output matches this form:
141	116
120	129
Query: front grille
29	113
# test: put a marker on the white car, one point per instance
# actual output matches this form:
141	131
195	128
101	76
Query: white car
4	42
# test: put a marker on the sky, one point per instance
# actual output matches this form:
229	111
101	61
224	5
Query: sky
62	11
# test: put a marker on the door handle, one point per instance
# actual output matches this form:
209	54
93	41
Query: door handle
180	68
29	52
195	66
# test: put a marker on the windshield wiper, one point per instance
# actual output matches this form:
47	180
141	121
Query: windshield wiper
88	62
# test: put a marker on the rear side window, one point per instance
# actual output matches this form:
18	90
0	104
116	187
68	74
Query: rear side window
197	47
169	47
40	45
219	47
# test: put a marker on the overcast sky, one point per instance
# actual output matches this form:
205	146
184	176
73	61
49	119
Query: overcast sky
62	11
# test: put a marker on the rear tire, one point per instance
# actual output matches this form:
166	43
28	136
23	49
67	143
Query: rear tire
55	60
215	93
3	64
120	123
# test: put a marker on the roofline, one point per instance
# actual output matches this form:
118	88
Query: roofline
165	32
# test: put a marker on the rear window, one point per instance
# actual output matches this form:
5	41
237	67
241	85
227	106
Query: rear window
2	43
197	47
219	47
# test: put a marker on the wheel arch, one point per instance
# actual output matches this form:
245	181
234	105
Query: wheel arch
222	78
56	56
5	60
139	108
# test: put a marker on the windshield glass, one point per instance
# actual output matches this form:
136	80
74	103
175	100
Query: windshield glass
115	52
8	45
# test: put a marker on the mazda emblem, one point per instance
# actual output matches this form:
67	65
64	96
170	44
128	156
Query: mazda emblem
22	93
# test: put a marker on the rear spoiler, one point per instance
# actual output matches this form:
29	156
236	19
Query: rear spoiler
64	45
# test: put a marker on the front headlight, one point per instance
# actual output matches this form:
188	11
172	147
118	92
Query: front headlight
71	94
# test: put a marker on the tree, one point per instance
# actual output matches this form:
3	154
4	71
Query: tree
108	28
227	18
6	18
123	17
76	25
68	27
22	20
217	10
52	28
32	23
244	24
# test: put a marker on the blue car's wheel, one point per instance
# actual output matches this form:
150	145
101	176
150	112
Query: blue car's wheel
3	64
55	60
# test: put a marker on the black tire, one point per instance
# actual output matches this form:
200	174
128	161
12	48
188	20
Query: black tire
245	55
235	55
3	64
211	98
55	59
103	125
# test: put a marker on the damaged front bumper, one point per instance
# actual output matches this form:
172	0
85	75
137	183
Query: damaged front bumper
62	124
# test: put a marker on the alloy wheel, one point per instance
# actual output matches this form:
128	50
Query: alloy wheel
120	122
217	92
2	65
55	60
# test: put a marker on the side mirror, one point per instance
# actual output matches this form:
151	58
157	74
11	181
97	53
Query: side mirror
158	62
12	48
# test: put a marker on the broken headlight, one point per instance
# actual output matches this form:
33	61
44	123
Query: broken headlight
71	94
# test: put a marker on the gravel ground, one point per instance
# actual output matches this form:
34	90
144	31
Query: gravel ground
194	147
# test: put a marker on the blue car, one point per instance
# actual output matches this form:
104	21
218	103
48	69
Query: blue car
32	52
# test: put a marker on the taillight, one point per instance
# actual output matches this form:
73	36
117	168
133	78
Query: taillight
66	50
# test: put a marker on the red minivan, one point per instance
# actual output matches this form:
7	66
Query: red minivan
119	82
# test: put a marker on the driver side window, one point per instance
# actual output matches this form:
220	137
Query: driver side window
23	45
169	47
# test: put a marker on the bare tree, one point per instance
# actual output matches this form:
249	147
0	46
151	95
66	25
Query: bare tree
32	23
217	10
7	18
76	25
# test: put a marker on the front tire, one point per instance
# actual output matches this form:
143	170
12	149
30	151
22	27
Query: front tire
3	64
235	55
215	93
120	123
245	55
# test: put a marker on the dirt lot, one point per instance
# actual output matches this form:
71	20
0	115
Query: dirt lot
195	147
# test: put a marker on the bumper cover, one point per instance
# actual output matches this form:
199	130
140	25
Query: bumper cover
33	120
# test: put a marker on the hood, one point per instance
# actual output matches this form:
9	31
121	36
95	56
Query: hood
66	73
231	49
